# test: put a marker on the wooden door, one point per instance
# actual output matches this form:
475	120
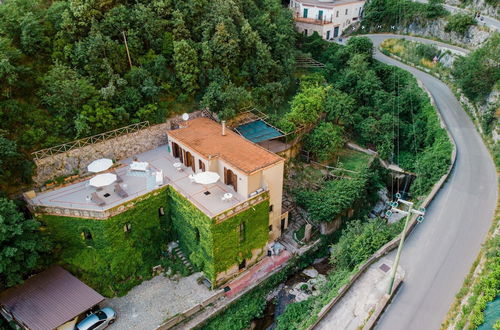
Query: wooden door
175	150
189	161
230	179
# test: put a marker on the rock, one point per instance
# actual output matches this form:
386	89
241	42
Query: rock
474	38
447	60
311	272
395	217
301	296
318	280
319	260
298	286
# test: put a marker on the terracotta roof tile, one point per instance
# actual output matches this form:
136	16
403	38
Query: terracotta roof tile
204	136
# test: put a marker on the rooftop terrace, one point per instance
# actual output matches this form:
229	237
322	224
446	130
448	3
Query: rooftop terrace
75	199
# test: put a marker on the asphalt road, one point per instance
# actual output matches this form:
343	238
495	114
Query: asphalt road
440	251
488	21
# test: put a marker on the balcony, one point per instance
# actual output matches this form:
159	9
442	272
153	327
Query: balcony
316	20
73	200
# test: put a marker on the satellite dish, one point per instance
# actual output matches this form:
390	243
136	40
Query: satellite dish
185	116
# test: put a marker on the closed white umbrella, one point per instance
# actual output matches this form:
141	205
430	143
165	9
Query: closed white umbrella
103	180
100	165
206	178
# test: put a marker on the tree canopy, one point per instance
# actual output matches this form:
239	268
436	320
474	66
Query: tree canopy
65	70
20	244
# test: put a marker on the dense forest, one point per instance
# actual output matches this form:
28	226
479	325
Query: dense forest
70	69
377	105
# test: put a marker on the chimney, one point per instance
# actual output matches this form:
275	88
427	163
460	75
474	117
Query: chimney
223	128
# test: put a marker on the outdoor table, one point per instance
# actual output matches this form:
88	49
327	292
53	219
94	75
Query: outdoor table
228	196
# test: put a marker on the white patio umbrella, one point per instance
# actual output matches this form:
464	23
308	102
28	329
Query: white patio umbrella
103	180
205	178
100	165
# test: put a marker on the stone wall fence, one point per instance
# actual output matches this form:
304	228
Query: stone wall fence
178	318
70	159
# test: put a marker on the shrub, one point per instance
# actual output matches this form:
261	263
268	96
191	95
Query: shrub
324	140
426	51
360	240
477	73
460	23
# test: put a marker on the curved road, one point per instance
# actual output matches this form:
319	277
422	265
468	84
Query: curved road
489	21
440	251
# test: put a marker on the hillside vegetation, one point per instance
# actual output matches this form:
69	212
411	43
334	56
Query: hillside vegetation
65	71
377	105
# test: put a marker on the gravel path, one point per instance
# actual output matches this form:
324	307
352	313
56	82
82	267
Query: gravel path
147	305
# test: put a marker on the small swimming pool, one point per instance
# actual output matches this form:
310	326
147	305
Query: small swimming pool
258	131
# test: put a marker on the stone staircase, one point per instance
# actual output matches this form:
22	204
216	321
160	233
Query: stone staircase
184	259
295	221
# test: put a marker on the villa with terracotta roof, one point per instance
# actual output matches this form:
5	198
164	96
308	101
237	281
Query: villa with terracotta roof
223	227
246	168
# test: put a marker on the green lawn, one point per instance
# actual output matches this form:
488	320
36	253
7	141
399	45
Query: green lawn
351	160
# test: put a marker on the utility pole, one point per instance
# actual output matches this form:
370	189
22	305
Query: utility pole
408	214
126	47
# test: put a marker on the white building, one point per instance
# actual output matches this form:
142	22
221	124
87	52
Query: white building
328	18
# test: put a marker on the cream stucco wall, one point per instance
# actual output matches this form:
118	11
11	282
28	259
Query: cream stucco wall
242	177
340	15
272	178
196	155
269	178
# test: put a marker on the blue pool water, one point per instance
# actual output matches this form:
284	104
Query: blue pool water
258	131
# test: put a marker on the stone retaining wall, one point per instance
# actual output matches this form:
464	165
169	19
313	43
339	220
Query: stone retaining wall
121	147
118	148
178	318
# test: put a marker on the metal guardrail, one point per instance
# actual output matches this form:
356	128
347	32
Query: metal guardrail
37	155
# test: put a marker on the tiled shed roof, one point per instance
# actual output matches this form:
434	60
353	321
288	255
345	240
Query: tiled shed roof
204	136
49	299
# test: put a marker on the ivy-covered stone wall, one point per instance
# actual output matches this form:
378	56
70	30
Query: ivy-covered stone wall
230	246
212	247
194	232
111	259
115	254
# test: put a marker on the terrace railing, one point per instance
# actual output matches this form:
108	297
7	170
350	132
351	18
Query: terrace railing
65	147
238	208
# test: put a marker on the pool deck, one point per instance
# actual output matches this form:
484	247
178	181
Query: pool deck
135	184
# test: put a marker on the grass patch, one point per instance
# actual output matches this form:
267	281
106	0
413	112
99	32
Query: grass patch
352	160
418	54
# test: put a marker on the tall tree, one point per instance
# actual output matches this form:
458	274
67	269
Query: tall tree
20	244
